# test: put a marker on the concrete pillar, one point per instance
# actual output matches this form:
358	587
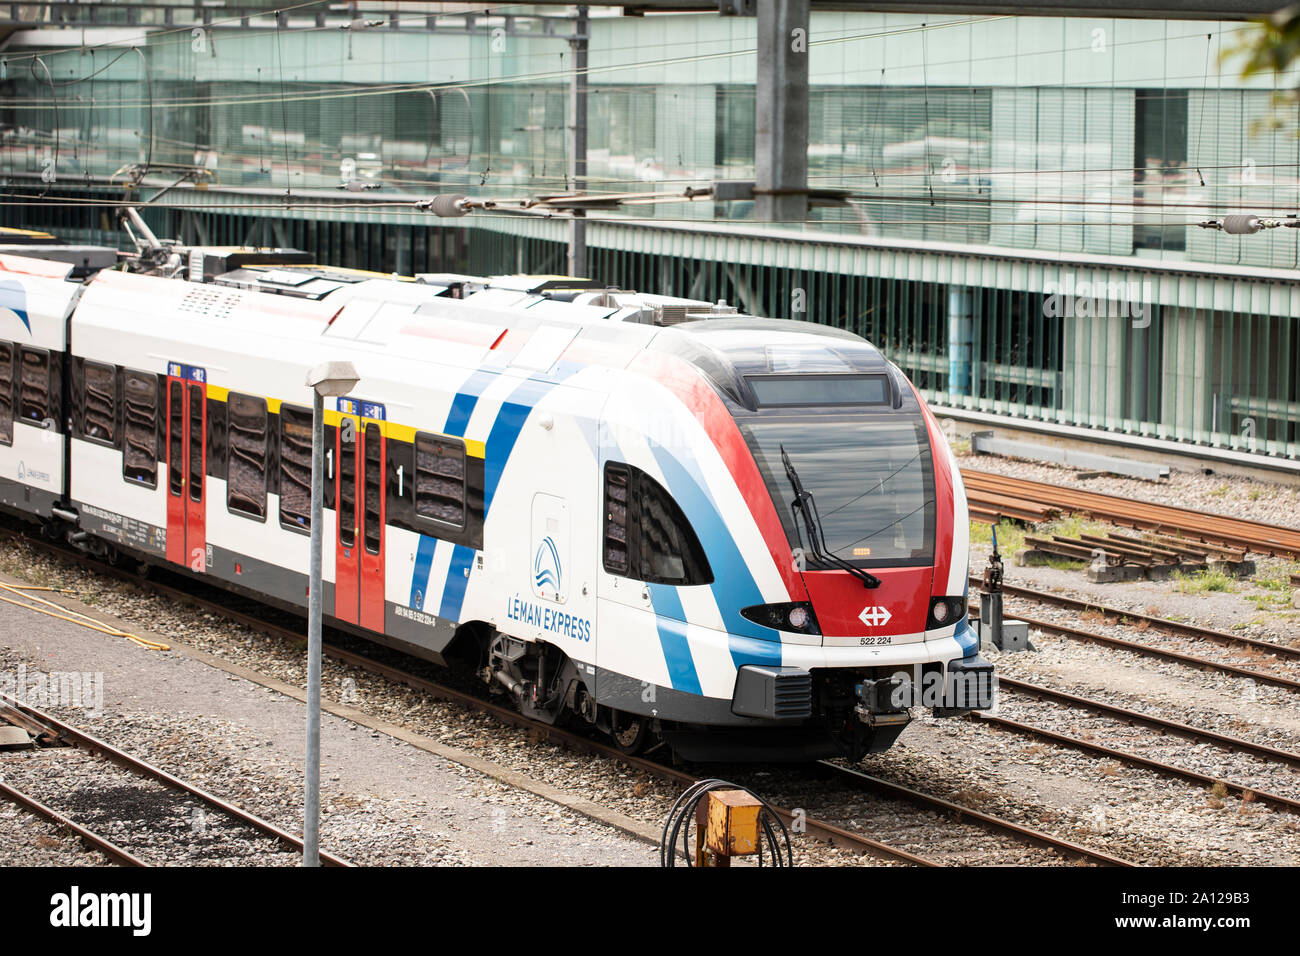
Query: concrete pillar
1094	377
961	328
781	112
1187	407
577	260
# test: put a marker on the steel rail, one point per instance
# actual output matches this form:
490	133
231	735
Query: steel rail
1124	617
1123	756
97	747
1194	525
1226	741
994	824
1148	650
91	839
817	829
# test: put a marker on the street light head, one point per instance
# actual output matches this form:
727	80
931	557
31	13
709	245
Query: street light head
332	379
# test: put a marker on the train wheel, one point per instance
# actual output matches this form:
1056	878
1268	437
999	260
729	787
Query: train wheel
630	732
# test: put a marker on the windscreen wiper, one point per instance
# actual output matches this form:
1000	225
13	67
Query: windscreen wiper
804	505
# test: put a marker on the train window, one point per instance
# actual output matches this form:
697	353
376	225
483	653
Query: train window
197	405
246	441
616	482
374	533
6	394
348	485
100	402
295	467
670	553
818	389
140	422
34	393
646	535
440	479
176	434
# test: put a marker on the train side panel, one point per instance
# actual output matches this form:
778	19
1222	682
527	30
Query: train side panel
35	302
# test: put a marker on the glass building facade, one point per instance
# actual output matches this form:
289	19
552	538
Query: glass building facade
1019	233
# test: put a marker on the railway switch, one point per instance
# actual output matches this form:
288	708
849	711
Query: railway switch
1011	636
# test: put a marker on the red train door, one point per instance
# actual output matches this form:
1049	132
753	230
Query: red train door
372	455
359	496
187	466
347	564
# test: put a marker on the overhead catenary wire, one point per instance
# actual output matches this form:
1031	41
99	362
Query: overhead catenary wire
408	209
394	201
813	179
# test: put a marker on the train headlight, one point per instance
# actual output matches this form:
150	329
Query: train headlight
793	616
945	611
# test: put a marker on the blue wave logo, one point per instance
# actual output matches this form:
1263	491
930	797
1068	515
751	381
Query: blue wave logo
13	297
546	565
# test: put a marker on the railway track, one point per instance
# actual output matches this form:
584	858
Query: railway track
46	727
1177	628
1228	743
1152	650
818	829
1197	734
88	837
815	828
1158	653
990	493
859	779
1173	771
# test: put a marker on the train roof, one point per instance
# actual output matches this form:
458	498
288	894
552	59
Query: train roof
531	322
85	259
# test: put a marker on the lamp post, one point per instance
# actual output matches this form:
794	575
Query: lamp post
333	379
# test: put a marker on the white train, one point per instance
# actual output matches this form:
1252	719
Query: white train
744	535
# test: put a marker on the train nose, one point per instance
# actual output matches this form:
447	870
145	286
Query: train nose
851	614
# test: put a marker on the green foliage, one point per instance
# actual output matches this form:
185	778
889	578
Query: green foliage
1072	526
1277	580
1011	536
1271	47
1267	49
1201	582
1066	564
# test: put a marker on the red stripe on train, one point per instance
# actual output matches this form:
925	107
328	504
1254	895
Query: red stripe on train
698	396
945	500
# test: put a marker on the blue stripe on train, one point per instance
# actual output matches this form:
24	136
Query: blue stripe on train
453	593
509	421
733	585
458	416
501	439
463	405
420	575
670	621
965	634
670	617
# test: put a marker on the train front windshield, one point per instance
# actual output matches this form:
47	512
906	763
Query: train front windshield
869	473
